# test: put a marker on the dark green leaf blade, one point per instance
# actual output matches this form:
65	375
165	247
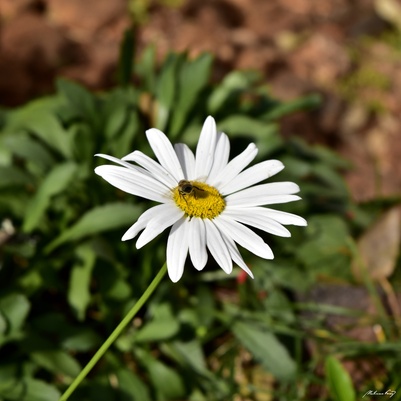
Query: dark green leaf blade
97	220
54	183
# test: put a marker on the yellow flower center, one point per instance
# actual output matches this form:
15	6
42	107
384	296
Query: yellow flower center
198	199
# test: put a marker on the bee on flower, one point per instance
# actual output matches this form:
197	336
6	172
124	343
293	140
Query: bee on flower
207	200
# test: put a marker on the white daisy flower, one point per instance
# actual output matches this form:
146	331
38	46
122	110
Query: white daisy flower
206	200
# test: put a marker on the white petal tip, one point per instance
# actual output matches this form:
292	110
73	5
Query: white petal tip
174	277
152	131
98	170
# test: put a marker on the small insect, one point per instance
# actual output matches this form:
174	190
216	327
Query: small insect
187	188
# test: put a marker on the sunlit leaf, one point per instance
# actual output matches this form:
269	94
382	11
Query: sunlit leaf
247	126
15	309
339	381
80	278
158	329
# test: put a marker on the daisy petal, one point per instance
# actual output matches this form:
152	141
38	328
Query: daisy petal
218	247
252	175
158	224
121	162
235	255
221	155
187	160
249	217
134	182
177	249
197	243
155	169
244	236
144	219
265	194
206	147
235	166
277	215
164	151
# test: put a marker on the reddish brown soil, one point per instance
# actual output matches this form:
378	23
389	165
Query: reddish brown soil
300	46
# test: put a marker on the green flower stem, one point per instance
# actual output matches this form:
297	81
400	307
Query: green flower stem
114	335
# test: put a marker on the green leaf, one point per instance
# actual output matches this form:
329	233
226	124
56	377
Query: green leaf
338	381
125	137
131	384
83	340
233	84
100	219
163	325
30	389
191	353
24	146
15	308
326	246
57	362
54	183
80	278
157	330
241	125
331	178
80	100
283	109
265	348
125	65
115	112
8	376
166	90
167	382
3	326
40	118
146	68
13	176
193	77
120	290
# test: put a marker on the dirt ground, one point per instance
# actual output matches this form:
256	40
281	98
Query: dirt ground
349	51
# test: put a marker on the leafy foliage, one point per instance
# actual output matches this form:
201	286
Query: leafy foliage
66	279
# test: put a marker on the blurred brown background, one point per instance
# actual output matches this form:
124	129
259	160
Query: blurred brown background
349	51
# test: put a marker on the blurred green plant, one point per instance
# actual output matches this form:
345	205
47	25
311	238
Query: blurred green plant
66	279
